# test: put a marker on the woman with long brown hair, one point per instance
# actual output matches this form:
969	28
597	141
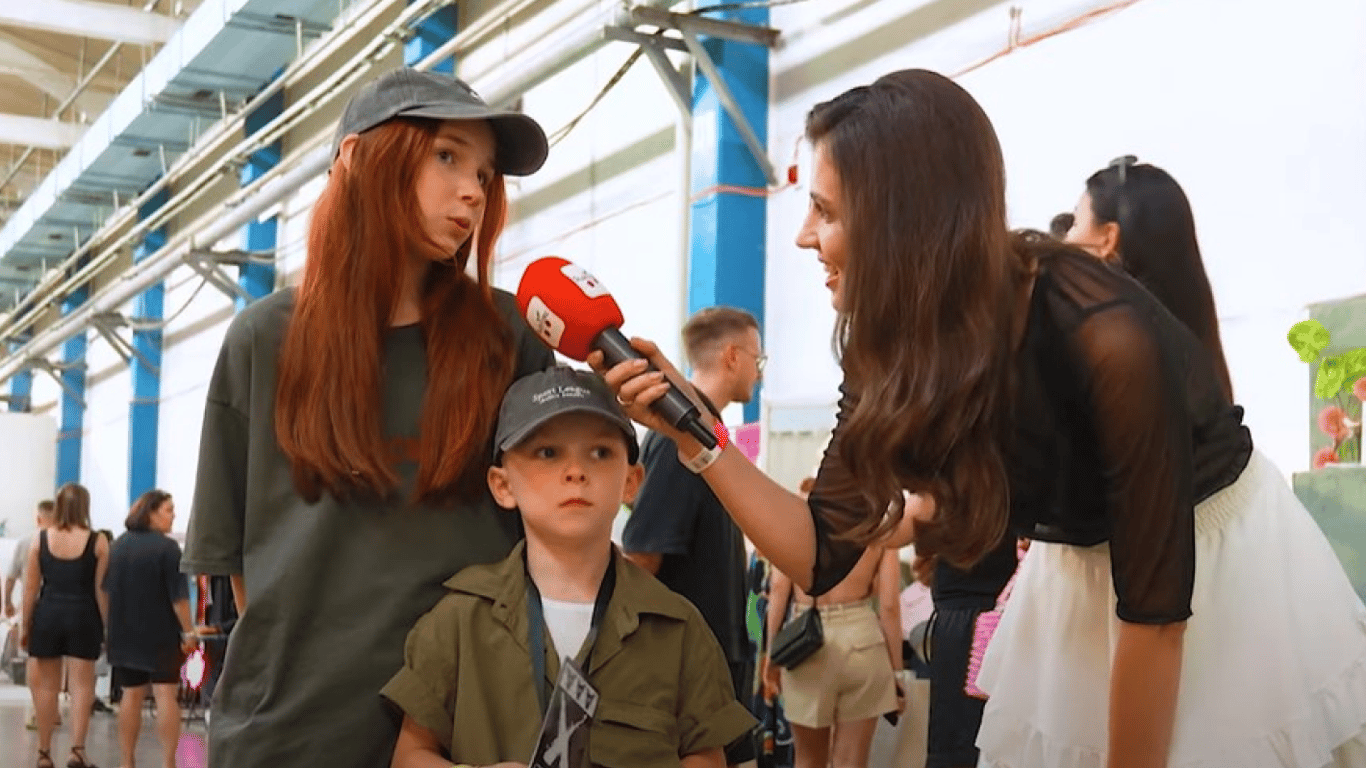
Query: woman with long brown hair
998	383
64	613
348	426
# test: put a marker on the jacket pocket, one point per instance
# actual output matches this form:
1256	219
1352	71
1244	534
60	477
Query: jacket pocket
629	735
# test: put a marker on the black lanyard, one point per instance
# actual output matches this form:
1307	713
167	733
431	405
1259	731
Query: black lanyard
536	627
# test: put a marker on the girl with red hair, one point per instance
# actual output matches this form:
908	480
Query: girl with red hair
349	422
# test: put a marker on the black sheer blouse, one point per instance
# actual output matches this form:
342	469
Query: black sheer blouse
1120	429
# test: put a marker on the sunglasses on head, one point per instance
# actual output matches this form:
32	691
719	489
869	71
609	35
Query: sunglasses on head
1122	164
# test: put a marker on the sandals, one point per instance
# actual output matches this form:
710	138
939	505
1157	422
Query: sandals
45	759
78	759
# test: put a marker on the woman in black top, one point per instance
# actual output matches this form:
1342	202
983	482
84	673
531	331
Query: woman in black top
64	617
149	622
996	382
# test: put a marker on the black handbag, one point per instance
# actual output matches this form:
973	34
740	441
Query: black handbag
797	640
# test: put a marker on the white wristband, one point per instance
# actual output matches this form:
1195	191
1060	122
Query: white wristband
705	458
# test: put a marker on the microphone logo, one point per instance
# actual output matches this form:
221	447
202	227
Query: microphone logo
545	323
591	286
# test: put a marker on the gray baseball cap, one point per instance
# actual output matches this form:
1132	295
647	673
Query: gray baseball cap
537	398
407	92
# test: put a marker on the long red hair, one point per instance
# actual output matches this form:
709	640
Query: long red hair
328	400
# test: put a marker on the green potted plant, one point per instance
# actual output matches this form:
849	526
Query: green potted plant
1340	385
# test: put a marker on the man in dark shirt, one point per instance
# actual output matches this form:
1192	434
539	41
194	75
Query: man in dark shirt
677	529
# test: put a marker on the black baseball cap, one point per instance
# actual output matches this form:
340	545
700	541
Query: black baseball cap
537	398
408	92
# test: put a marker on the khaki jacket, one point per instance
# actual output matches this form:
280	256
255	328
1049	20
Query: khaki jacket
664	687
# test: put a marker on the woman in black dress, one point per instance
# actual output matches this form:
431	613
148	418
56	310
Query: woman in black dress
149	622
64	618
997	383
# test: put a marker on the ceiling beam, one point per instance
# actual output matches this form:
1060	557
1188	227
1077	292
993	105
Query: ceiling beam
10	274
48	79
82	18
38	132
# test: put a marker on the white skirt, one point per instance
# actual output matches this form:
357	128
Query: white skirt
1274	662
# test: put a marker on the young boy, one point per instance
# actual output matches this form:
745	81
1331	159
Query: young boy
565	457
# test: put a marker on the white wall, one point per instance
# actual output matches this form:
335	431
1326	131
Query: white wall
623	226
104	442
197	316
1256	108
29	472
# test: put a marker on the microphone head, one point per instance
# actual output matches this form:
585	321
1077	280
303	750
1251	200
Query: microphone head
566	306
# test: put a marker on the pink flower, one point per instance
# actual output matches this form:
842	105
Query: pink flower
1333	422
1324	457
1359	389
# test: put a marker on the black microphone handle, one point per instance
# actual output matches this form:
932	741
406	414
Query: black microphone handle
674	406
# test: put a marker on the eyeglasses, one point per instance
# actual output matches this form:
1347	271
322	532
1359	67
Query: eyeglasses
760	359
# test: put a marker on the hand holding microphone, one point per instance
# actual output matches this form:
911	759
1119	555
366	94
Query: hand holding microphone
574	314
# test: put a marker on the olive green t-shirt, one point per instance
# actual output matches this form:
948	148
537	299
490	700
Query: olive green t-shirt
332	588
664	690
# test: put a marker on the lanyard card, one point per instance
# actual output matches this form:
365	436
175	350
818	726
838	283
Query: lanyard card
563	740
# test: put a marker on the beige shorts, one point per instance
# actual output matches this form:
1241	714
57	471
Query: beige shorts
850	678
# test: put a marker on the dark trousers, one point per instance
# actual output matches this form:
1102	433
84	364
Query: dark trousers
954	715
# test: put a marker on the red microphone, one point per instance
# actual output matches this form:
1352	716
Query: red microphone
572	312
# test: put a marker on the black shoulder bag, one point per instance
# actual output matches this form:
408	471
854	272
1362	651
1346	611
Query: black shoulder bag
798	639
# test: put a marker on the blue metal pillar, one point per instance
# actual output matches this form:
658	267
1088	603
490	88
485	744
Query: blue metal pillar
433	32
729	190
73	396
257	276
20	386
144	410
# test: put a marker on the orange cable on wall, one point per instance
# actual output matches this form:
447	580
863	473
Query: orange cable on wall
1015	42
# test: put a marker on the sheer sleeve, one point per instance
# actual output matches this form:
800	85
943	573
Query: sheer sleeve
1135	386
836	506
